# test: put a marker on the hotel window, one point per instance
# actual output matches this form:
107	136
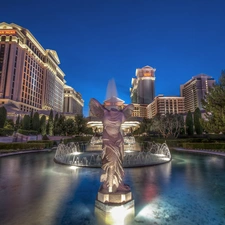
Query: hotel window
3	38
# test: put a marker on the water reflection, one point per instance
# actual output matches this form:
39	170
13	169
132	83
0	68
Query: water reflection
188	190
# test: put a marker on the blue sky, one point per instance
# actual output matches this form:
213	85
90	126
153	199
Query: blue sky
97	40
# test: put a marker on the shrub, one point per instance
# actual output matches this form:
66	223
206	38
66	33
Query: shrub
28	132
6	132
21	146
47	143
220	146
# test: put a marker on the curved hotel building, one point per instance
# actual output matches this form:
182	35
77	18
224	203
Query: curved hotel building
30	76
195	90
143	87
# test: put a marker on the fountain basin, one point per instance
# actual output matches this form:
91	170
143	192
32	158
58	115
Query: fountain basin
153	154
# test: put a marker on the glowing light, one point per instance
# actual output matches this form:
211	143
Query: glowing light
76	153
73	167
128	151
7	31
118	215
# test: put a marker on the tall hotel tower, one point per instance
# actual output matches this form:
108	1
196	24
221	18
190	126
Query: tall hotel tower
30	77
143	87
195	90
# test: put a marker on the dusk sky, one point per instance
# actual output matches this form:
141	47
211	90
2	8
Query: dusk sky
97	40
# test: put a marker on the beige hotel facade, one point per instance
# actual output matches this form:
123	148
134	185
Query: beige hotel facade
30	76
165	105
195	90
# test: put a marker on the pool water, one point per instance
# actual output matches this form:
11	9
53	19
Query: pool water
36	191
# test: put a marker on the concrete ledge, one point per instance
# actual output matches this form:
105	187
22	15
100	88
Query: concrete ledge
108	207
208	152
24	152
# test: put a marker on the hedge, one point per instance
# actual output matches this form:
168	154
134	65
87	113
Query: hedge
21	146
28	132
218	146
6	132
48	143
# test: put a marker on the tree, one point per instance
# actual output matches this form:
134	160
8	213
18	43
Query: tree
31	120
55	123
3	116
145	126
50	124
81	124
43	125
17	125
69	127
26	122
197	117
59	128
214	105
168	125
189	124
9	124
36	122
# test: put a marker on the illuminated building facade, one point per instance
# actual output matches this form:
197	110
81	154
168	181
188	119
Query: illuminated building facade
73	102
143	86
166	105
30	77
139	110
195	90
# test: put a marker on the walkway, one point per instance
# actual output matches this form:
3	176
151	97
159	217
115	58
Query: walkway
210	152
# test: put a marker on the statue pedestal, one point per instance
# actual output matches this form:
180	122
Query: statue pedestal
114	208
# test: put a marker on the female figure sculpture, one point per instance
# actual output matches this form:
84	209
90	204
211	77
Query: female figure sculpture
113	145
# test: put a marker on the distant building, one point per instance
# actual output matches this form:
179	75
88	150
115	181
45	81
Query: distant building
140	110
195	90
73	102
30	76
143	87
165	105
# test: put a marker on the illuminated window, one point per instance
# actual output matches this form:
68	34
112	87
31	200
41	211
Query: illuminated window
3	38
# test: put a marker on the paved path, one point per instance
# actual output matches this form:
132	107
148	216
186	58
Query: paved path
210	152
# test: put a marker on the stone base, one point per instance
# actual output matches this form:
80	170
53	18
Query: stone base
117	197
114	213
114	208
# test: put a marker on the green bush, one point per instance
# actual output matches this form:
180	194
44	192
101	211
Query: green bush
21	146
6	132
28	132
220	146
47	143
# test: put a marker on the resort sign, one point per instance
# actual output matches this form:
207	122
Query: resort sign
2	32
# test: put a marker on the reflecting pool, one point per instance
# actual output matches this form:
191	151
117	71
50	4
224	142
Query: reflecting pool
188	190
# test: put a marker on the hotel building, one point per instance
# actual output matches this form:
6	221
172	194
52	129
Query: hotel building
143	87
73	102
165	105
30	77
195	90
139	111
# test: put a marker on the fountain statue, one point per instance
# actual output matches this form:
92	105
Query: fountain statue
113	144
